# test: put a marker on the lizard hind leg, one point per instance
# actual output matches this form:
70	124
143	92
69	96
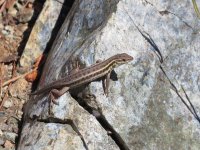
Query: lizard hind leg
55	94
105	81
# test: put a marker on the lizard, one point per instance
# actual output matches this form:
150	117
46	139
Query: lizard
84	76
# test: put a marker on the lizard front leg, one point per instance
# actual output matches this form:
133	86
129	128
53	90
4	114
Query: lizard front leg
55	93
106	83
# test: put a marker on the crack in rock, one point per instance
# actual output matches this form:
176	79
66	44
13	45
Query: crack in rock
166	12
104	123
65	121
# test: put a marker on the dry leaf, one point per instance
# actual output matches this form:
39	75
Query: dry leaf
31	76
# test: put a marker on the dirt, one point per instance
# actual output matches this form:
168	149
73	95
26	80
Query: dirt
17	18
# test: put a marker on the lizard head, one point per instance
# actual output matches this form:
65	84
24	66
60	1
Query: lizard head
122	58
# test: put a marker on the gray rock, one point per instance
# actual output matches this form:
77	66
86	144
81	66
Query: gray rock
51	136
143	110
1	133
5	32
8	104
41	32
2	141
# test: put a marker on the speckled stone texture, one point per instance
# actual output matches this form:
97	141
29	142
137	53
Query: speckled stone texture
144	109
41	33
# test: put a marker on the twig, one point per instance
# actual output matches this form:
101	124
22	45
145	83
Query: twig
11	81
16	78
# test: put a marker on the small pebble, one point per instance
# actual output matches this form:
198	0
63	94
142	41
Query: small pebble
9	29
12	12
2	114
19	114
4	32
1	141
8	104
1	133
11	136
25	15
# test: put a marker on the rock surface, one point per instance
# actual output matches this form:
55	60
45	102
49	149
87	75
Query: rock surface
41	33
145	108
